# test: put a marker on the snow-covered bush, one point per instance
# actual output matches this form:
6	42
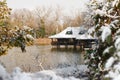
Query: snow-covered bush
11	36
104	60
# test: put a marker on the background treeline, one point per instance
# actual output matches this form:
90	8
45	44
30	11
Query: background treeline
46	21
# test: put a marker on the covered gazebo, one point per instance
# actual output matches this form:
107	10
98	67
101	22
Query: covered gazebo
76	36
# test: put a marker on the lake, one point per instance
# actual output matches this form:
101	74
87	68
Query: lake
41	58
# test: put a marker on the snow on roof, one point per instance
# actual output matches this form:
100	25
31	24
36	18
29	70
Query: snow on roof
73	32
84	36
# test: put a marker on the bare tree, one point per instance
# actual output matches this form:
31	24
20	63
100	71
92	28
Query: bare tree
46	20
49	18
53	22
42	13
78	19
22	17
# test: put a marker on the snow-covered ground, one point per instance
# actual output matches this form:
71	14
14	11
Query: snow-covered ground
69	73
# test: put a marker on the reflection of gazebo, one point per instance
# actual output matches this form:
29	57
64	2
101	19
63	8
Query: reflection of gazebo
76	36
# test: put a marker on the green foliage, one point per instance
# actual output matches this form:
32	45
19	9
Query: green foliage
10	36
98	57
4	14
42	32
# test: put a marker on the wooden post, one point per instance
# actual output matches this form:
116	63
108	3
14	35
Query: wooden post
75	43
58	44
66	45
75	46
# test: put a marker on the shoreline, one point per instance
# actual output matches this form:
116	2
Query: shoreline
42	41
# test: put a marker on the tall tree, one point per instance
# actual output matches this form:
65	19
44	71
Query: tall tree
4	16
104	60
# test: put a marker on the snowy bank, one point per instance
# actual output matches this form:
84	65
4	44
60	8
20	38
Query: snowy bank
69	73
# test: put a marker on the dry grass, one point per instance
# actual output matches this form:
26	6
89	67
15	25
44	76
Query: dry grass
42	41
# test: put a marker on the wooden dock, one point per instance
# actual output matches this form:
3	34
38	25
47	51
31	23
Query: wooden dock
73	36
86	43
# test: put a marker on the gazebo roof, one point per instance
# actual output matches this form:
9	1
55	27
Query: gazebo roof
73	32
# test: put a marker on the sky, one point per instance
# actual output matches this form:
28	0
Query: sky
32	4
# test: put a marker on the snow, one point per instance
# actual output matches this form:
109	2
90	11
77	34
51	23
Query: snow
19	75
109	62
91	30
104	13
110	10
114	17
106	32
118	31
3	72
71	71
85	36
111	74
117	77
116	71
29	37
100	1
68	73
107	50
100	12
27	28
115	3
117	43
118	54
49	75
75	33
117	68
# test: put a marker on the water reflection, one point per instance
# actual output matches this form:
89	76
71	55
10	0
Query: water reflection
62	57
65	50
42	57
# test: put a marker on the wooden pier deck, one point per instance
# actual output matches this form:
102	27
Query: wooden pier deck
86	43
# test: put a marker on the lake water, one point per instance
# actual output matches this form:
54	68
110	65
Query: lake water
41	57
